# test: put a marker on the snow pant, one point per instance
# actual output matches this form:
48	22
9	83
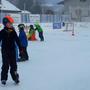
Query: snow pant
8	61
24	55
32	37
41	36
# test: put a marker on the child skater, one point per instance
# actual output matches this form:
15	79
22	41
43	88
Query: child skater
24	43
32	34
40	31
8	38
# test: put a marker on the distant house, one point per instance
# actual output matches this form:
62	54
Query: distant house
6	8
77	8
51	9
46	8
25	16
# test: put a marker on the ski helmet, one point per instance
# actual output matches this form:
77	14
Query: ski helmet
7	19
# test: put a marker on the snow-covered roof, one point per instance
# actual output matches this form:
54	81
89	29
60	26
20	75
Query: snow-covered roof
61	2
25	11
6	5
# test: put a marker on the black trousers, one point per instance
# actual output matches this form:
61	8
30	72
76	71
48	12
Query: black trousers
24	55
8	61
41	36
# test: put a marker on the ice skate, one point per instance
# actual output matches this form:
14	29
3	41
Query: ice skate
3	82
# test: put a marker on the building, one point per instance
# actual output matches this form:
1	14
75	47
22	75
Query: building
78	9
25	16
52	9
50	13
6	8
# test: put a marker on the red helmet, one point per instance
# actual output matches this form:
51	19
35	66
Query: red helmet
10	19
7	19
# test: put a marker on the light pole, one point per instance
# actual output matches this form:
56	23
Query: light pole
24	9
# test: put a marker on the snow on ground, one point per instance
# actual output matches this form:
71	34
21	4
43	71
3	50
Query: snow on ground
61	62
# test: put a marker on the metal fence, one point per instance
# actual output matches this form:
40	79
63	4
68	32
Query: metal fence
42	18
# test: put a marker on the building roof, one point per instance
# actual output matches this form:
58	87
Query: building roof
61	3
7	6
25	11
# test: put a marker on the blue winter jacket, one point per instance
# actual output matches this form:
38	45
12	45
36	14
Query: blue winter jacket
23	38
